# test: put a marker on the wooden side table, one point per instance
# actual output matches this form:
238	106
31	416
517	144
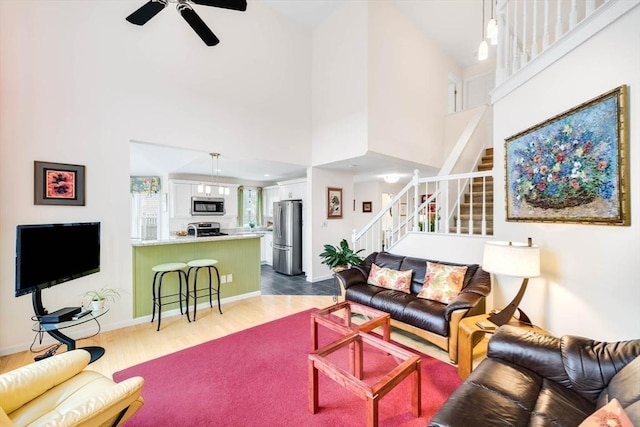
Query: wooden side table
467	332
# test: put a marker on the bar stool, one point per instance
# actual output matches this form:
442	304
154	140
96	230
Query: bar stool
195	266
160	271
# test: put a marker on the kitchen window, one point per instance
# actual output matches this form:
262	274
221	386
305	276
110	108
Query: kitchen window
250	206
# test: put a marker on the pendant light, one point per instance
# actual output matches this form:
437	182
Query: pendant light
483	49
492	28
221	189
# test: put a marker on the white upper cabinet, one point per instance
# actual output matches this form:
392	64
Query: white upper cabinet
269	196
180	199
293	190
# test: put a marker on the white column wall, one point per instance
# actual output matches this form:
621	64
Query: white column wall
590	273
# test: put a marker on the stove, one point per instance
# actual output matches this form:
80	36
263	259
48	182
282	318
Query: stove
204	229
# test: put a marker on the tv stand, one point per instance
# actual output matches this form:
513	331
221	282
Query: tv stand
53	329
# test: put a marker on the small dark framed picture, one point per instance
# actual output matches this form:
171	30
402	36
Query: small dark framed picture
366	207
58	184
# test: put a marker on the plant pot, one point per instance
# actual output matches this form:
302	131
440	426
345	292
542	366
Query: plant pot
97	304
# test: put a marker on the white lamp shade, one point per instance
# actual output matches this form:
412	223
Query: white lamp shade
483	50
492	28
511	259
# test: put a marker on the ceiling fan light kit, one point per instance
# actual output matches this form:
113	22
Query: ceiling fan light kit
153	7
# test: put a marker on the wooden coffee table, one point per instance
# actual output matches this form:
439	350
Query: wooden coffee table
405	364
338	318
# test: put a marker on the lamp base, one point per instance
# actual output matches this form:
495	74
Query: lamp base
504	316
499	320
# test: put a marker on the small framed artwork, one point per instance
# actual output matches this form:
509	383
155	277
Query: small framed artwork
334	203
58	184
572	167
366	207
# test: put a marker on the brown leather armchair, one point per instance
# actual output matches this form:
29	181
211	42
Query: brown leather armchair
59	391
532	379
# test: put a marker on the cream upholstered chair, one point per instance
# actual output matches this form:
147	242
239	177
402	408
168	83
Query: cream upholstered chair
58	391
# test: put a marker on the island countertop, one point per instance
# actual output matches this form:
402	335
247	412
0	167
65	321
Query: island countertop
175	240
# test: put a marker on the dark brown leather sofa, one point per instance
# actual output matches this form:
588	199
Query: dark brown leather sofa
431	320
531	379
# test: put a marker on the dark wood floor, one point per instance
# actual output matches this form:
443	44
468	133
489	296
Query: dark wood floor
280	284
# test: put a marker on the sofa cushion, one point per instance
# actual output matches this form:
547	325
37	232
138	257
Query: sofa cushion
624	388
390	278
426	314
442	282
392	302
518	397
362	293
610	415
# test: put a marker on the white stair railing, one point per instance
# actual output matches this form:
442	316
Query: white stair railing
524	28
430	205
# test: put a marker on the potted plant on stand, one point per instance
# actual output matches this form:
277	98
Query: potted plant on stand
340	257
100	297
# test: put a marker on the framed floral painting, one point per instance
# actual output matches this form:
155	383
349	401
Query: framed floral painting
58	184
573	167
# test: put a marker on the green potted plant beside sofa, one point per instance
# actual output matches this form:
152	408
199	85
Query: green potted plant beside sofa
340	257
100	297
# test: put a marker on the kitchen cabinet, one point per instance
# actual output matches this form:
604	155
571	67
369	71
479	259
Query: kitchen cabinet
180	199
266	248
293	190
269	196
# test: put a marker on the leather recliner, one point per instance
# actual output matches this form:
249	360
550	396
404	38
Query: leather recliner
58	391
532	379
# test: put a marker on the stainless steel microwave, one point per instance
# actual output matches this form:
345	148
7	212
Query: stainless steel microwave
207	206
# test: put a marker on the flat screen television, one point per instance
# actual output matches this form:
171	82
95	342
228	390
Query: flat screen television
50	254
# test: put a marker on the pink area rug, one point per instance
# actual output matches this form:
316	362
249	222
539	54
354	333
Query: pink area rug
259	377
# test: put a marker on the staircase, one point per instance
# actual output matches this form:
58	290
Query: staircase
471	207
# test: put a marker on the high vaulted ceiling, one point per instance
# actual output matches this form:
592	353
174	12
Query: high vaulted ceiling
453	25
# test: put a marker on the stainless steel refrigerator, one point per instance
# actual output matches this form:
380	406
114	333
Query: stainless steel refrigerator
287	237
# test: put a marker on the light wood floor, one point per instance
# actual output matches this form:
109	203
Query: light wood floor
135	344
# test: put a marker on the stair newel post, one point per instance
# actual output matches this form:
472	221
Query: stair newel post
416	199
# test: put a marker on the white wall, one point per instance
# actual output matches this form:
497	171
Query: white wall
590	273
323	230
408	80
339	102
78	83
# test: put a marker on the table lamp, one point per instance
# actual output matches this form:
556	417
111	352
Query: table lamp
512	259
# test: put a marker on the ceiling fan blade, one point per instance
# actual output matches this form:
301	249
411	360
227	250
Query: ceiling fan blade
227	4
197	24
146	12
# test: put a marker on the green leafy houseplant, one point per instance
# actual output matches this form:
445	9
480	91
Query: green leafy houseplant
99	297
341	256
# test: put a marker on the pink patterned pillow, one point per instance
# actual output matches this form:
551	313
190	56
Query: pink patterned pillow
442	283
610	415
390	279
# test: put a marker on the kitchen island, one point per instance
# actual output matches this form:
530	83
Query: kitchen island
237	254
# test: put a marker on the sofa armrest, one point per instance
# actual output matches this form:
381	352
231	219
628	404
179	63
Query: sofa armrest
23	384
532	350
103	407
463	301
351	276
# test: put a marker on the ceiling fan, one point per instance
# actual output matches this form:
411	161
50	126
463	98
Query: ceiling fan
153	7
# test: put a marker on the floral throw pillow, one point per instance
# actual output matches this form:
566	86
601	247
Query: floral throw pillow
610	415
442	283
390	279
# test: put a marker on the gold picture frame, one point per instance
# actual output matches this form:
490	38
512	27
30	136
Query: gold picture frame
572	168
